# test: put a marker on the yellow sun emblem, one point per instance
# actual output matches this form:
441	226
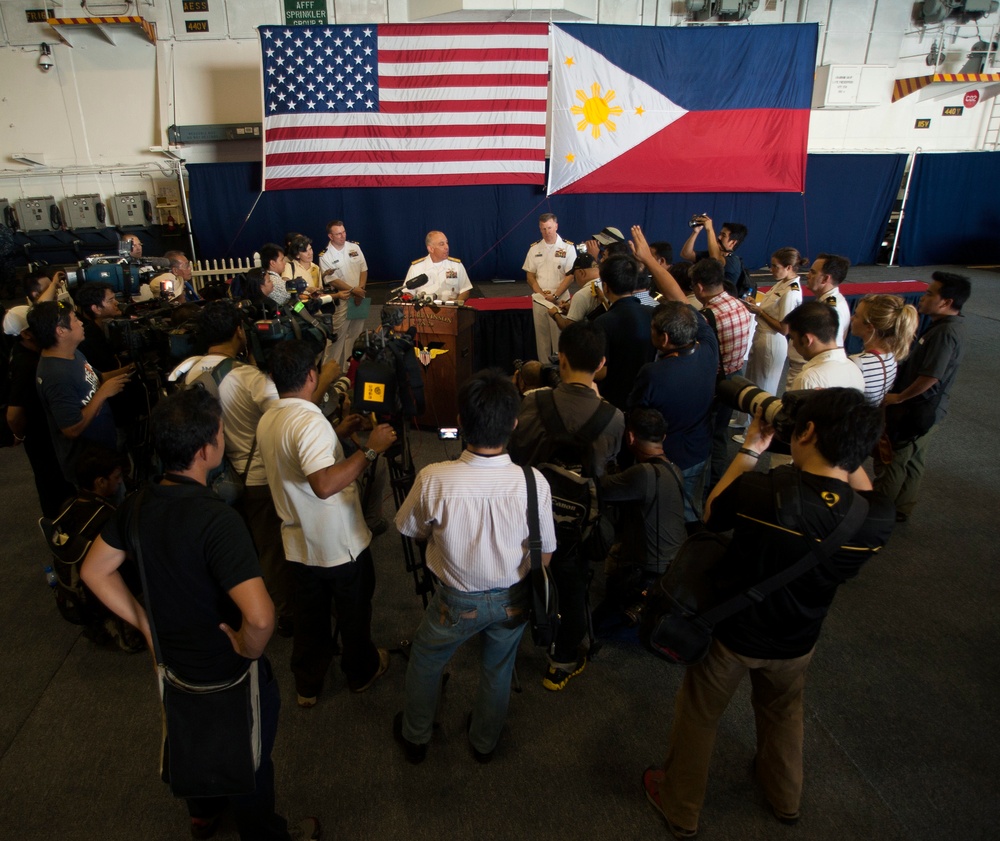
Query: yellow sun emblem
596	110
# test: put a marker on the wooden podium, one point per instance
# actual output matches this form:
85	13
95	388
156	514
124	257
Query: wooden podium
447	329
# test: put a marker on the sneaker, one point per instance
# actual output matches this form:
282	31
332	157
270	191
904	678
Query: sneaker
651	779
740	439
383	665
556	678
415	754
307	701
735	424
307	829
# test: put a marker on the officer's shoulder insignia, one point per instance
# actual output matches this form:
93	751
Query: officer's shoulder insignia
535	243
794	286
830	299
454	259
354	242
568	241
418	260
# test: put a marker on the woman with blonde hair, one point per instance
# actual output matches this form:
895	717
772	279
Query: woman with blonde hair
886	324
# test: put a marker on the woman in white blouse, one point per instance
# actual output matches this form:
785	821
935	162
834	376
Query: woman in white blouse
770	339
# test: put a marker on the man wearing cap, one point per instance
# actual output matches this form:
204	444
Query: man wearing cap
446	276
548	267
589	298
26	417
604	238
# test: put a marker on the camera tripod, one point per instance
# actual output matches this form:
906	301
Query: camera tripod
401	475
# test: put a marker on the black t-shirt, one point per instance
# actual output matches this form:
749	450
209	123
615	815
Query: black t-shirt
629	347
96	347
937	353
23	391
787	623
195	549
653	523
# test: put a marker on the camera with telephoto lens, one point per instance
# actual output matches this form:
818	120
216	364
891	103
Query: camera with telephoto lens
741	394
696	220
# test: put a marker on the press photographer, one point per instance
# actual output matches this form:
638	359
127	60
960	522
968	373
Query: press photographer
227	371
779	519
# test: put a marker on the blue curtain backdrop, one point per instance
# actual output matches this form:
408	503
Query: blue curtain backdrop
951	213
844	211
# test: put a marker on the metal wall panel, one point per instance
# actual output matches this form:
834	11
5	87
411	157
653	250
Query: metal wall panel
20	33
199	20
359	11
244	17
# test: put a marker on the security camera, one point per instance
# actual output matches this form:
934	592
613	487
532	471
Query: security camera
45	61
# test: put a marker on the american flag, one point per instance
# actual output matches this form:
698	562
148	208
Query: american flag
404	105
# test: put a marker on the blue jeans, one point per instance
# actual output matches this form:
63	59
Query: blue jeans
694	491
451	618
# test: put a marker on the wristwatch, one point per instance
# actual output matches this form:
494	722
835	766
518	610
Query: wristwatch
370	454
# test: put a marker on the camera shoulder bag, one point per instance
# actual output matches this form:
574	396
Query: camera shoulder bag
684	606
211	740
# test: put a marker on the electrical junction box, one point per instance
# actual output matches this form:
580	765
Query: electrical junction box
131	210
38	214
86	211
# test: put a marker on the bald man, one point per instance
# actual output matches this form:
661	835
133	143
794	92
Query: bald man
446	276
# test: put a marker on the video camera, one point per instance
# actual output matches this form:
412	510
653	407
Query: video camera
296	322
741	394
388	380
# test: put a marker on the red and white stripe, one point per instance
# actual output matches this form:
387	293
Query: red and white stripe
458	104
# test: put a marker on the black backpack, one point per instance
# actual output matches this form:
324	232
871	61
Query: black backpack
567	463
69	537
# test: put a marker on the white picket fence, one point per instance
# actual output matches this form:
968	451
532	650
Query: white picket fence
212	271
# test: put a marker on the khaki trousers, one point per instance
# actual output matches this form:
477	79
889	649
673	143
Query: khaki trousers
776	696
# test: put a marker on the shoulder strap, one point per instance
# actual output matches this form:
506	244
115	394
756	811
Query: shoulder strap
709	315
224	367
597	422
135	544
219	373
818	552
534	531
548	413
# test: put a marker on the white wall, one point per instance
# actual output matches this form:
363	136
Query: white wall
103	106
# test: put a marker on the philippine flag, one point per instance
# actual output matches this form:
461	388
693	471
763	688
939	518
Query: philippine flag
640	109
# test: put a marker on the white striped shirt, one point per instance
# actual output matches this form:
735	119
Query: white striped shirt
473	512
879	371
